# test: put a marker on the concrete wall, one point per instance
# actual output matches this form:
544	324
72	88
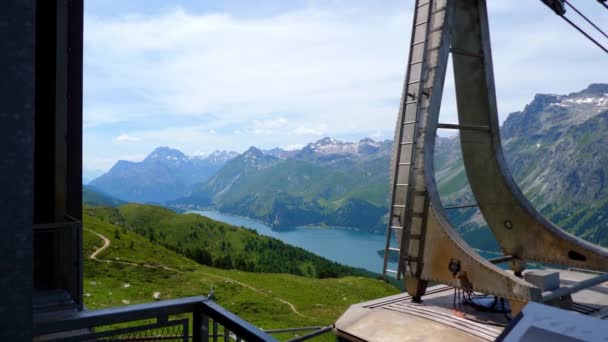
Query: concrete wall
16	122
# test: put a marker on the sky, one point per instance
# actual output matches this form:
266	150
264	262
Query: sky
213	75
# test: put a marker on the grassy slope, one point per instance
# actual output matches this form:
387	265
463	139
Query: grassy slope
320	301
91	196
247	250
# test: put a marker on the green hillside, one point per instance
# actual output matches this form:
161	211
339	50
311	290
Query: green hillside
132	268
91	196
347	190
224	246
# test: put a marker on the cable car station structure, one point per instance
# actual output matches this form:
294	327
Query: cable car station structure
41	203
430	249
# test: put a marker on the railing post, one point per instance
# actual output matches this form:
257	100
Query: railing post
205	328
196	325
200	325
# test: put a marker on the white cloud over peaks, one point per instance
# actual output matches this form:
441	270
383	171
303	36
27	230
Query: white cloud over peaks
221	81
318	63
269	126
126	138
314	130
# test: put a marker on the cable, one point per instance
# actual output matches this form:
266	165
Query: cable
586	19
603	3
558	7
585	34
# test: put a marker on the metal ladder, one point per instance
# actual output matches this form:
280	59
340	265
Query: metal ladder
409	200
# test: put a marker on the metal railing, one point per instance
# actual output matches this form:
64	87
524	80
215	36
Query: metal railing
187	319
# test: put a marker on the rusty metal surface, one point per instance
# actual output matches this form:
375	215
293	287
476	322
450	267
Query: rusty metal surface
519	229
428	243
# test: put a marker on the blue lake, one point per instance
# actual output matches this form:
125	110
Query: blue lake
349	247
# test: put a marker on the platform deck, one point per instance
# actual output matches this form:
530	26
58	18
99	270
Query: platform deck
397	318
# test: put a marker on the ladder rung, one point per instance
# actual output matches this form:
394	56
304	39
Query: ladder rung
410	102
420	42
394	249
414	82
405	163
407	143
417	62
401	184
464	127
391	271
421	23
396	227
424	4
465	53
409	122
439	10
398	206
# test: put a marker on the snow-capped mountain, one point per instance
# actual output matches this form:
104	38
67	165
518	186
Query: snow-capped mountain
164	175
329	149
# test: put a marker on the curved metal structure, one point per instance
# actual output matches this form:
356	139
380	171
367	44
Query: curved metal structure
430	249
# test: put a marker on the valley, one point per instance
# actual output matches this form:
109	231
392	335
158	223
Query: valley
554	148
122	267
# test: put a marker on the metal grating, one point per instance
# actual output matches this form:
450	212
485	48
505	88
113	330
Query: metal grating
170	331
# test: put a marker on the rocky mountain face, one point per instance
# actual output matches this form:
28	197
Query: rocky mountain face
328	182
557	151
166	174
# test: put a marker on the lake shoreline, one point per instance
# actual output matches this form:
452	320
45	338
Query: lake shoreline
346	246
308	226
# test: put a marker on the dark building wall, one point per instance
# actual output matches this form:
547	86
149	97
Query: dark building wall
16	173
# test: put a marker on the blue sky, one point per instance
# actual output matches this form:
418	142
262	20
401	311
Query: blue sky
207	75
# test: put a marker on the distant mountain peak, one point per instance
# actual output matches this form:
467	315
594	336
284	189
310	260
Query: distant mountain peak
164	154
594	89
254	151
327	141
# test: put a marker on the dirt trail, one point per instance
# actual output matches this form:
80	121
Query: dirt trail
106	244
293	308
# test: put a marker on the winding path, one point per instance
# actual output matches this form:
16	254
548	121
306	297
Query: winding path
107	243
293	308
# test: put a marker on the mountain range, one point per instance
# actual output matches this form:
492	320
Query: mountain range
556	148
166	174
328	182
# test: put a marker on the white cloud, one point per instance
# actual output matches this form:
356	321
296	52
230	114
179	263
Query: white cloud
267	127
314	130
126	138
311	63
288	78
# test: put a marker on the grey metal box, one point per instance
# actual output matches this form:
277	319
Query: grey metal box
546	280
